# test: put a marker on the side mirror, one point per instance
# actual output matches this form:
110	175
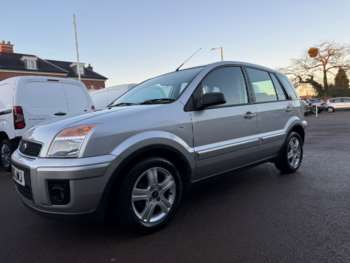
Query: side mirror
210	99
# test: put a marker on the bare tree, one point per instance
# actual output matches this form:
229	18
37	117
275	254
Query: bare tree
317	64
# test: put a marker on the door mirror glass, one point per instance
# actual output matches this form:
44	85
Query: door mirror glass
211	99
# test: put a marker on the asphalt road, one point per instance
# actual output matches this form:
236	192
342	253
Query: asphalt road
257	215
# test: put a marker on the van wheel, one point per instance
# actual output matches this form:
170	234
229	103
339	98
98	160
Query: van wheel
6	150
291	155
149	195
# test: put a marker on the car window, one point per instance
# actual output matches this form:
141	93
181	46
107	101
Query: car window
288	86
166	87
279	89
262	85
230	82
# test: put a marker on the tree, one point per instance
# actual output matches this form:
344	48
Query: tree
341	80
341	85
317	64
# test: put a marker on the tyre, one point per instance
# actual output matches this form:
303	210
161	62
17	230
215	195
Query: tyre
149	195
291	154
6	150
331	109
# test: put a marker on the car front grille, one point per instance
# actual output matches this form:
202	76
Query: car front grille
30	148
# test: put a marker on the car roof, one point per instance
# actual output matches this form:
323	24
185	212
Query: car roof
233	63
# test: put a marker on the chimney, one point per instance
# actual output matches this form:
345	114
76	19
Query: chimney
6	47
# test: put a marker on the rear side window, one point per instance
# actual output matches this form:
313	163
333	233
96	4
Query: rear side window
279	89
262	85
230	82
288	86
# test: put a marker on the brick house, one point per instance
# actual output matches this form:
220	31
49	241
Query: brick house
14	64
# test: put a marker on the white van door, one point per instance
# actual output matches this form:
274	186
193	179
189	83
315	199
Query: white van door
78	100
42	101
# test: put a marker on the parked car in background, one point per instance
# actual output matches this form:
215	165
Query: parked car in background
341	103
28	101
317	103
103	97
135	160
308	108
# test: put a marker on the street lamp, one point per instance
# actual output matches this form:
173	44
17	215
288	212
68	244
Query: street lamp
221	51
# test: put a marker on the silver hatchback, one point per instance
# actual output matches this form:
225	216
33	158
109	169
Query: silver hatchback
137	158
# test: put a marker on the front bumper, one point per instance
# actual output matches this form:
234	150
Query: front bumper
87	179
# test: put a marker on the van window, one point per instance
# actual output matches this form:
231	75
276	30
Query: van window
230	82
262	85
279	89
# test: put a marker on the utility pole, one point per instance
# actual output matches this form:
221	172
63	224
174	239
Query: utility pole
76	45
221	51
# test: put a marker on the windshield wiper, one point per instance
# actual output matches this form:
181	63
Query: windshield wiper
158	101
122	104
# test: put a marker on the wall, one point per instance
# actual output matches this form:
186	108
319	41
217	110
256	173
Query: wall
94	84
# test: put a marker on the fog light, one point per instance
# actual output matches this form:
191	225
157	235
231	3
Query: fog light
59	192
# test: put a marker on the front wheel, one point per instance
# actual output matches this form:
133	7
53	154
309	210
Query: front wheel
331	109
5	154
291	155
149	195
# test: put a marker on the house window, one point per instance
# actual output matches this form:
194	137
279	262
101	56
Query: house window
30	63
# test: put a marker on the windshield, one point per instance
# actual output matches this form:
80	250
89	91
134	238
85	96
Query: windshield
162	89
103	99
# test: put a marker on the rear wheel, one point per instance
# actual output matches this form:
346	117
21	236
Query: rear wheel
6	150
331	109
291	155
149	195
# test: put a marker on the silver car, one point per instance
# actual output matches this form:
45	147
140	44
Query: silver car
137	159
334	104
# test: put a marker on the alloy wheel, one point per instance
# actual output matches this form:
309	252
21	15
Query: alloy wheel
294	152
5	155
153	196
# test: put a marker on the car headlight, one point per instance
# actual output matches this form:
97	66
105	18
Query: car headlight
70	142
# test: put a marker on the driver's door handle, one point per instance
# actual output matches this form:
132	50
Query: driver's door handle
60	114
289	108
249	115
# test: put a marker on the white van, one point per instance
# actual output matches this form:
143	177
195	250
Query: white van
28	101
103	97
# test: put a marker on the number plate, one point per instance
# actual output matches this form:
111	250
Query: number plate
18	176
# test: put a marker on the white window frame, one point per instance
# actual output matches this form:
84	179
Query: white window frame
30	62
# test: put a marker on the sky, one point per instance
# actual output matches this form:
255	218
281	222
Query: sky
130	41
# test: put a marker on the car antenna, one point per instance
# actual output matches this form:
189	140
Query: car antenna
199	49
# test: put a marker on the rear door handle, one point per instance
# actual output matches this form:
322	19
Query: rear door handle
249	115
289	108
60	114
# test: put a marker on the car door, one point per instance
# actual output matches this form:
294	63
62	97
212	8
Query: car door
274	108
225	136
41	101
78	100
346	103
